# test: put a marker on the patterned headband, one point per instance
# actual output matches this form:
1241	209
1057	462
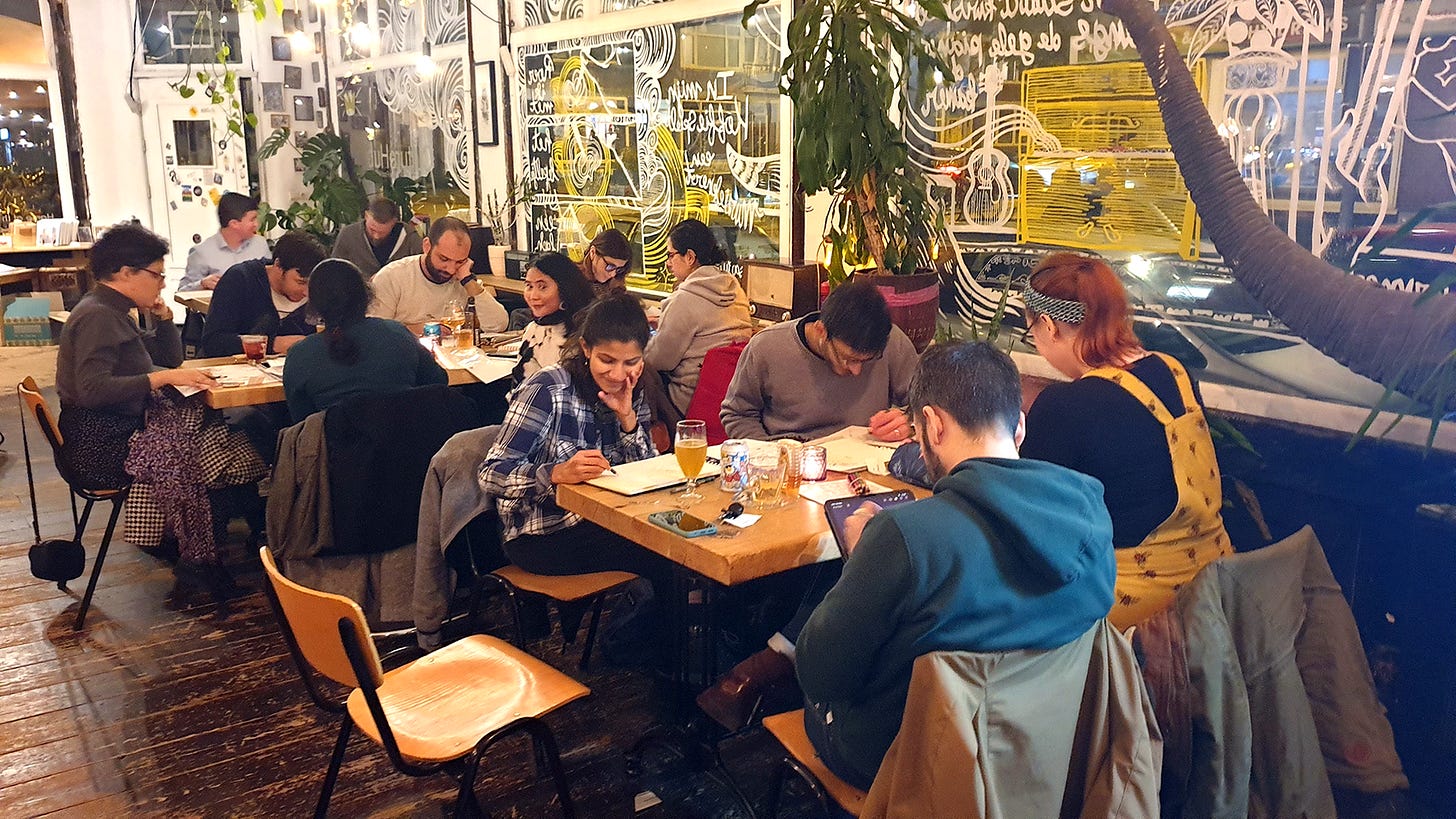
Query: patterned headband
1063	310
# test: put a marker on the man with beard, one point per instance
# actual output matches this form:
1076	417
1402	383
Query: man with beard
377	239
419	289
1008	554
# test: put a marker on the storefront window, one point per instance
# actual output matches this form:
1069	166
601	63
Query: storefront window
641	129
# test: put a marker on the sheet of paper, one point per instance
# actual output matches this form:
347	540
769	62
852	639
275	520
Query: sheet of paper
654	473
853	448
820	491
484	367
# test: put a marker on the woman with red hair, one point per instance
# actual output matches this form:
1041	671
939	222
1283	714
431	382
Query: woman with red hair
1132	419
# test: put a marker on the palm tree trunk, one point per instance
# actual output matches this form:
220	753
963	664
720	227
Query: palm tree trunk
1379	333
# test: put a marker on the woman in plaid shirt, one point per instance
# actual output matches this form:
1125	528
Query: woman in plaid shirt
568	424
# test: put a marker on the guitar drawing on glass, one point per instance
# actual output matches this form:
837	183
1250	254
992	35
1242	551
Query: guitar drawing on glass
988	203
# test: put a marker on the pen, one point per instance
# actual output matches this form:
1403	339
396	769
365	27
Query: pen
610	470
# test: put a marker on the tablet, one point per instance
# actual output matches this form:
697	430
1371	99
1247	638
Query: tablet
838	510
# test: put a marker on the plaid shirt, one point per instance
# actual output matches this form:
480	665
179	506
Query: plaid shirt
546	424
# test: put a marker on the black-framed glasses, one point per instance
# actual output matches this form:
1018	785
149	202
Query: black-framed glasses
160	274
847	360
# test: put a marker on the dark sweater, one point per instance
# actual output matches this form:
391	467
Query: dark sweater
1007	555
105	357
242	304
390	359
1099	429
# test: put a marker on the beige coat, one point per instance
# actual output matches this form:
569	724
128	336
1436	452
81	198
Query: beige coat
1067	732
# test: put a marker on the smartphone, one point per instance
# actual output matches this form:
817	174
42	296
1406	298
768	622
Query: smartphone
682	523
838	510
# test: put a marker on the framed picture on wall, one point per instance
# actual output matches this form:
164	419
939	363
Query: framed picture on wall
278	120
323	98
272	96
303	108
313	70
290	21
487	129
292	76
282	50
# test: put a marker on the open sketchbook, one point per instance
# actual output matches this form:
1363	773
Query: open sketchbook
654	473
853	448
484	367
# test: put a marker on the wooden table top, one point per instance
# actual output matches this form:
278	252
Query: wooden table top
271	391
792	535
78	247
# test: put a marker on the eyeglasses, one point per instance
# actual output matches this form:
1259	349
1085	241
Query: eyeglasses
160	274
611	266
849	359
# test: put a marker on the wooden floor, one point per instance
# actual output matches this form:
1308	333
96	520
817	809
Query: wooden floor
159	708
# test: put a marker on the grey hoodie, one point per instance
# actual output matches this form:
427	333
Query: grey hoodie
708	310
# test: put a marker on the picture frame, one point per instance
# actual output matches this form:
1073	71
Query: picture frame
487	128
318	120
297	165
303	108
282	49
313	13
278	120
300	138
290	21
323	98
272	96
318	42
314	71
293	77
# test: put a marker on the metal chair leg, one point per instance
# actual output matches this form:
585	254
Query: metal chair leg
465	799
776	790
335	762
547	742
100	558
591	633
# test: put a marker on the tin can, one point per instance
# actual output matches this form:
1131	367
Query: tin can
734	455
433	331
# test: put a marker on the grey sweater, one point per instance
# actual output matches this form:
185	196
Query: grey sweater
353	244
708	310
783	390
105	358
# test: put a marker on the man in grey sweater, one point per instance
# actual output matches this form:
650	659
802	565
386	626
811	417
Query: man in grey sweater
377	239
842	366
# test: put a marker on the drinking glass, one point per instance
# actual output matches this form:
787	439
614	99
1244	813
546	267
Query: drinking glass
765	477
254	347
691	449
790	456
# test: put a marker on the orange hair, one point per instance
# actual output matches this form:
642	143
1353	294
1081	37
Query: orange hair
1105	335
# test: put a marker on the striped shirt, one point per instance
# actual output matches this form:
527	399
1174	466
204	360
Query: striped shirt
546	424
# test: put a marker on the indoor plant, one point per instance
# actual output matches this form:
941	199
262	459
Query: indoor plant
847	65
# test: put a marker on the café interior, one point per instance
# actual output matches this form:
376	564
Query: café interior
498	553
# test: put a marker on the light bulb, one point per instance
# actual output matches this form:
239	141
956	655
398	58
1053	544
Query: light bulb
302	43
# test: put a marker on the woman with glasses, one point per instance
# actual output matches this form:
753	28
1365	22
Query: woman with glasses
556	293
708	309
607	262
1132	419
108	362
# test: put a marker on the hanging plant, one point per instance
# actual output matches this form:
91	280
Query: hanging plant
217	81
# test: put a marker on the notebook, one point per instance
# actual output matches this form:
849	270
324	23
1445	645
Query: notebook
653	473
853	448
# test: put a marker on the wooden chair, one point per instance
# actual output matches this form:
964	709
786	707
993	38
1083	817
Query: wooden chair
32	403
438	713
802	760
591	588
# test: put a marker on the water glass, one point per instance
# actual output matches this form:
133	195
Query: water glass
765	478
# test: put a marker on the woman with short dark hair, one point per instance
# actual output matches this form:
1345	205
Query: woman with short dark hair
356	354
107	365
709	309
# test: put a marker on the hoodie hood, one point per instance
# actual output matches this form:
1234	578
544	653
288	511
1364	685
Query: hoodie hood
718	287
1052	518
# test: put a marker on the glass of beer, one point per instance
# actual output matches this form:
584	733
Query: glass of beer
765	477
691	449
791	454
254	347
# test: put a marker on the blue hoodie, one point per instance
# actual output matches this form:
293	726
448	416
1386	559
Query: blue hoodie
1008	554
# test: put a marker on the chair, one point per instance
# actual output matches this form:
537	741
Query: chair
437	713
719	365
801	758
34	404
590	588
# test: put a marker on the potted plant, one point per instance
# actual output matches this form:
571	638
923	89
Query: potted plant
499	211
845	69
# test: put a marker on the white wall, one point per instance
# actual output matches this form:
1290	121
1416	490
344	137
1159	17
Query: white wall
485	44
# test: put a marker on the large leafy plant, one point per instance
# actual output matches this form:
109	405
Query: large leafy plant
336	191
847	65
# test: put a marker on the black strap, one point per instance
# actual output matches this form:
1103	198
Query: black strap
29	476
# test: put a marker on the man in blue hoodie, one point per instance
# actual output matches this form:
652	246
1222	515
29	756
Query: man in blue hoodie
1008	554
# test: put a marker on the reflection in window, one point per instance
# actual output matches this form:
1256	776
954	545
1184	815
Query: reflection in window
642	129
28	183
188	31
193	138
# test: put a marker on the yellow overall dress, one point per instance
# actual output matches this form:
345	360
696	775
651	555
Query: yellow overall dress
1193	536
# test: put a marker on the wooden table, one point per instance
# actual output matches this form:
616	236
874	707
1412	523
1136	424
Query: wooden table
793	535
271	391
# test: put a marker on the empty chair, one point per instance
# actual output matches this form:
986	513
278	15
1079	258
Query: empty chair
32	403
438	713
718	367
